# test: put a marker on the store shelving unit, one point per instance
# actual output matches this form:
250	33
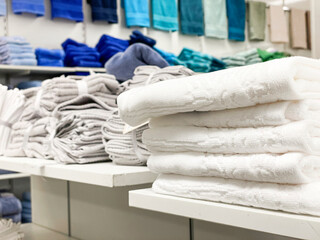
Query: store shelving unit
13	176
35	232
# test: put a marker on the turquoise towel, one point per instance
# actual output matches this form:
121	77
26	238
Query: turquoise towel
3	8
215	18
165	15
137	13
236	12
191	17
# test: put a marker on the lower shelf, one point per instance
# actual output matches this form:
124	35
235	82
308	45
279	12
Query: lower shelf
13	176
275	222
35	232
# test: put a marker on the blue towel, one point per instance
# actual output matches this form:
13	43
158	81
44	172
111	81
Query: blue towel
236	12
26	204
9	204
165	15
137	13
13	48
138	37
49	62
31	6
104	10
50	53
14	40
84	63
26	196
15	217
69	9
5	172
3	8
123	64
26	218
26	85
22	62
26	211
169	57
191	17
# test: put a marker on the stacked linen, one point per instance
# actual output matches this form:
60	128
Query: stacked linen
16	51
10	207
26	208
80	55
128	149
248	57
247	135
10	230
50	57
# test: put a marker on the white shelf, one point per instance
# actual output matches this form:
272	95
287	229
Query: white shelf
104	174
13	176
35	232
276	222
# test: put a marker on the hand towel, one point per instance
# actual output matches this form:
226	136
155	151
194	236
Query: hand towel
236	12
70	9
269	114
57	54
288	168
138	37
165	15
300	199
137	13
123	64
282	79
105	10
256	20
298	28
267	56
278	28
191	17
215	18
31	6
3	8
308	22
300	136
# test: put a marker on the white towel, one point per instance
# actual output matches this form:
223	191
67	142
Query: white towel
300	136
301	199
289	168
281	79
269	114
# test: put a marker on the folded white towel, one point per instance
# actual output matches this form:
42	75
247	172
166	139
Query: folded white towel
302	199
269	114
289	168
282	79
300	136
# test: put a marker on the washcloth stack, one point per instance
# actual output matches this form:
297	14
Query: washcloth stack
246	136
10	230
10	207
128	149
16	51
50	57
80	55
109	46
26	208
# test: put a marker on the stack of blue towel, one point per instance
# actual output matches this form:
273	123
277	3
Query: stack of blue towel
10	207
47	57
79	54
16	51
109	46
138	37
26	208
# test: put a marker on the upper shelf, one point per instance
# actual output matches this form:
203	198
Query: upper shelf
275	222
104	174
21	70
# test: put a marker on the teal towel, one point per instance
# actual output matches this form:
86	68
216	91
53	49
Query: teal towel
236	12
137	13
165	15
191	17
215	18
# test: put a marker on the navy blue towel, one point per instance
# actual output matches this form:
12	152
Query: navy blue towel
138	37
191	17
69	9
236	12
104	10
31	6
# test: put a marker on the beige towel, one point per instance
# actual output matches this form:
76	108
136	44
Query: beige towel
308	25
277	25
298	28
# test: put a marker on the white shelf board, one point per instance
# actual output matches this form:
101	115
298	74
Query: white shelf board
13	176
104	174
35	232
275	222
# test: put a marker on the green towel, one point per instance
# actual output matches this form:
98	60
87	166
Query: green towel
215	18
256	20
267	56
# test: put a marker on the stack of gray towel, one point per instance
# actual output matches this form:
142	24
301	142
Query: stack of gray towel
247	57
128	149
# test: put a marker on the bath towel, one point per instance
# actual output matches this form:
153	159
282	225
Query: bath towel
57	54
215	18
104	10
301	199
31	6
236	12
288	168
70	9
282	79
165	15
123	64
278	28
300	136
191	17
3	8
137	13
298	28
256	20
9	204
138	37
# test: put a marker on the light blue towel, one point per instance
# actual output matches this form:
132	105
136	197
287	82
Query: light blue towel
28	6
236	12
215	18
13	40
3	8
191	17
137	13
165	15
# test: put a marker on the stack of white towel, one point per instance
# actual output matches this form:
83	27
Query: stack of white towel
247	135
10	230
